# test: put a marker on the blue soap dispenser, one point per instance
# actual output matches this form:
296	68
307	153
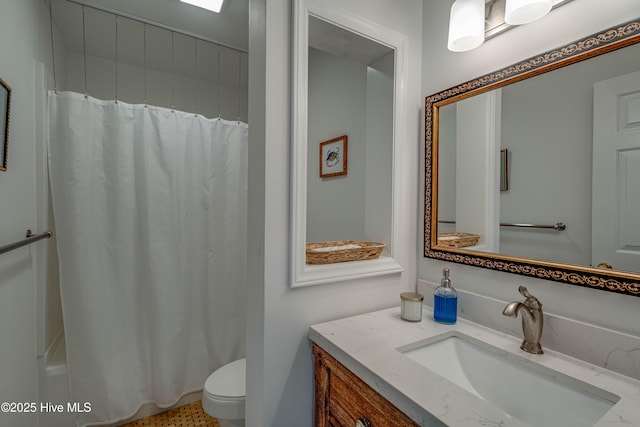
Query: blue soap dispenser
445	301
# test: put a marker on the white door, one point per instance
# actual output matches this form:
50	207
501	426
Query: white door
616	173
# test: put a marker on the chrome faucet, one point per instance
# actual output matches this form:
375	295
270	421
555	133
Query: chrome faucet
531	311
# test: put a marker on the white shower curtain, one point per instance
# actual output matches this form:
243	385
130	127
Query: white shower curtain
150	217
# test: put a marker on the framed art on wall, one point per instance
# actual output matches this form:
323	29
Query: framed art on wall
333	157
5	107
504	169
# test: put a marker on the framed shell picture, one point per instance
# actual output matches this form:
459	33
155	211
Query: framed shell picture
333	157
5	108
504	169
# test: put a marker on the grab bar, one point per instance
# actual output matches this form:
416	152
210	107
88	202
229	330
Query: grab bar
30	238
559	226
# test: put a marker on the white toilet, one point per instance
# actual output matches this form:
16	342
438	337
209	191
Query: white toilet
224	394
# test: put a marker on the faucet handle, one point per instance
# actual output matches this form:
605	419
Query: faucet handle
530	301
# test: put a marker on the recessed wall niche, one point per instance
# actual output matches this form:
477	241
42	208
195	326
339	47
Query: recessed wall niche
348	75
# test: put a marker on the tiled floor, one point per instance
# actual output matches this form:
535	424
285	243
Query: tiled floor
191	415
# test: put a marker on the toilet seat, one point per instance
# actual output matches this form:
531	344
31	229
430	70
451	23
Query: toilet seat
224	391
228	381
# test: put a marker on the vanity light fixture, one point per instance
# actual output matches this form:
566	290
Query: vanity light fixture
466	25
212	5
518	12
495	16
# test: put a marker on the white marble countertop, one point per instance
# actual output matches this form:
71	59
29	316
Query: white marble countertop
368	346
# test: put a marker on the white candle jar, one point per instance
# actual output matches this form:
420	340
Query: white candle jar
411	306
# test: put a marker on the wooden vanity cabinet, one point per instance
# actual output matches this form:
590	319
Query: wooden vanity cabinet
344	400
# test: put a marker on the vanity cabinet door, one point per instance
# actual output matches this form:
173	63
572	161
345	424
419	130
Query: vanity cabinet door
344	400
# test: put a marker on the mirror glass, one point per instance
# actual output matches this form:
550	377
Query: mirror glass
350	93
543	169
347	100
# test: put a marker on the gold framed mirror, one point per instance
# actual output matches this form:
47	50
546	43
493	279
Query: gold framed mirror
545	224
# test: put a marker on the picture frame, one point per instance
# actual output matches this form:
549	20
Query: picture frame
333	157
504	169
5	114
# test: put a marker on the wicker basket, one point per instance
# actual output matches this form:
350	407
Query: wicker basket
457	240
342	251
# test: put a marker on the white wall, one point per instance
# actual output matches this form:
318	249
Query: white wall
443	69
279	362
21	39
477	149
447	168
379	156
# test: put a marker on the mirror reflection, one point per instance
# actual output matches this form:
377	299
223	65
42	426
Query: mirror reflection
5	106
348	127
572	141
533	169
350	93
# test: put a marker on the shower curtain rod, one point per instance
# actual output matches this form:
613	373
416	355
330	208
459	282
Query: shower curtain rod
155	24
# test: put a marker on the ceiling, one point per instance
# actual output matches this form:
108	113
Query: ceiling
229	28
344	43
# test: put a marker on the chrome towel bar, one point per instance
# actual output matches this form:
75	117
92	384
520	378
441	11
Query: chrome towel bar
558	226
30	238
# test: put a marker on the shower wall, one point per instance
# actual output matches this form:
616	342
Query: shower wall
25	53
48	307
120	58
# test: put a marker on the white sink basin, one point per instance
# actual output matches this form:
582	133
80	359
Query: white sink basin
528	391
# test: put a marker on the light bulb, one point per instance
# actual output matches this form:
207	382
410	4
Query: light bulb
466	25
518	12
